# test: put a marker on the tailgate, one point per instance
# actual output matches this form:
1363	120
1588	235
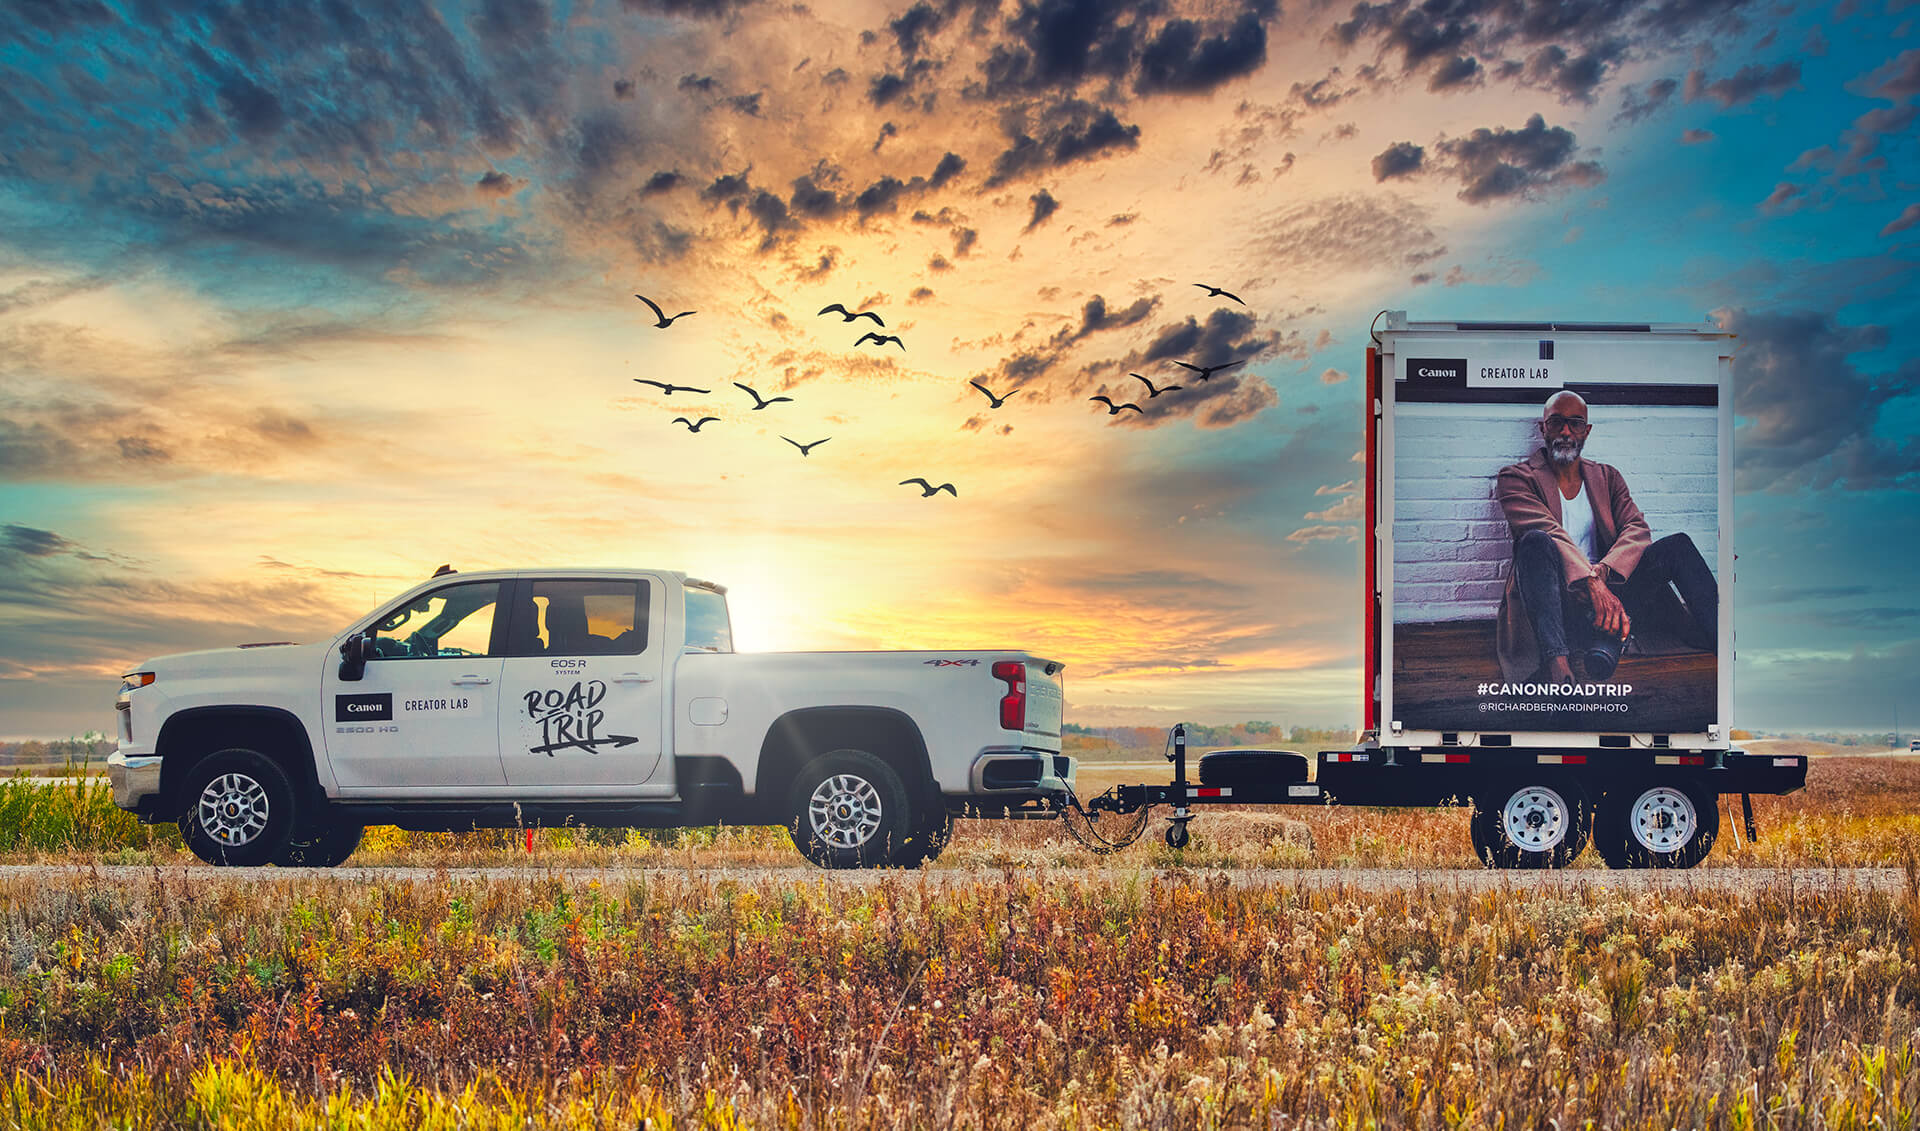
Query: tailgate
1046	702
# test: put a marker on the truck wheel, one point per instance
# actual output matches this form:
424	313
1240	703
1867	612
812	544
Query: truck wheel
326	845
240	808
1538	825
1671	825
925	844
848	809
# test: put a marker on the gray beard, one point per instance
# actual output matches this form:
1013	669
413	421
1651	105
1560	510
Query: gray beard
1564	453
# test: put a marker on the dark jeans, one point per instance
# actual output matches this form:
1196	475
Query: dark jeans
1672	564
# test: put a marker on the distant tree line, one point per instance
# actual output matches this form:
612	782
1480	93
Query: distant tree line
1254	733
91	747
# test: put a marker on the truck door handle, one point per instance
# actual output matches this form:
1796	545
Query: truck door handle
632	677
470	680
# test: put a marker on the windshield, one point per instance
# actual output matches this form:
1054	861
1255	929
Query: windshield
708	627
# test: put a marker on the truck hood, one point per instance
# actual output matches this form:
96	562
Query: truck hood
254	659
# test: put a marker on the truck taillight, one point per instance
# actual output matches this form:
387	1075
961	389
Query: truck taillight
1013	705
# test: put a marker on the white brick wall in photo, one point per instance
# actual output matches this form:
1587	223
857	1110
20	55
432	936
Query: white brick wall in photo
1451	548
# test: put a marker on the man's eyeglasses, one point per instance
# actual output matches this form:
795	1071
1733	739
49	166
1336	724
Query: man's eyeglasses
1557	423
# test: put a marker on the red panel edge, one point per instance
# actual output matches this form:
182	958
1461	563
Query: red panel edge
1369	671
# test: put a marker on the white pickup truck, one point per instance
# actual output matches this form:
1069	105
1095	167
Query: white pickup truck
608	698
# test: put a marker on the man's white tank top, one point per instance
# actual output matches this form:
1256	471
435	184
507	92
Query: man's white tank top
1576	517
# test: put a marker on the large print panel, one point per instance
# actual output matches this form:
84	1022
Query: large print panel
1457	666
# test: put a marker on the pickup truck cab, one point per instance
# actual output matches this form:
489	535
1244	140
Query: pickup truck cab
581	697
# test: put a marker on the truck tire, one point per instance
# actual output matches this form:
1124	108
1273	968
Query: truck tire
848	809
240	808
1665	825
1542	824
326	844
925	843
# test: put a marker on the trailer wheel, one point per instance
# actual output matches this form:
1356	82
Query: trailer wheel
848	809
1538	825
1177	835
1670	825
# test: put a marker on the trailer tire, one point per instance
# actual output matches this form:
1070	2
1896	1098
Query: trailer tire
1657	825
848	809
1542	824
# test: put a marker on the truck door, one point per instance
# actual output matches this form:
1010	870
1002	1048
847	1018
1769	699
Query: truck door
582	701
425	713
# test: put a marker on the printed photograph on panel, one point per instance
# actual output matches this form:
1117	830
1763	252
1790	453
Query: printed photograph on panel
1555	556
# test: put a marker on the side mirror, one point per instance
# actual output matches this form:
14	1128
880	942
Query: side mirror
353	657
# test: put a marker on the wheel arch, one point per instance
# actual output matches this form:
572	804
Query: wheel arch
189	736
801	735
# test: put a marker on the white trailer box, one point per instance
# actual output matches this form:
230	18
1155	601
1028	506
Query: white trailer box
1460	475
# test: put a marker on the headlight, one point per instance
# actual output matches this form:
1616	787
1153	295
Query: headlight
135	681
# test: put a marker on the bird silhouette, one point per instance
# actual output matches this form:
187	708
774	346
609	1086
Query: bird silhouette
880	339
849	315
693	425
1206	371
664	321
1114	409
1151	391
993	401
669	389
805	448
760	402
1216	292
928	490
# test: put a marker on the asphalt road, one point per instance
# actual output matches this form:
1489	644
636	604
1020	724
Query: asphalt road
1364	879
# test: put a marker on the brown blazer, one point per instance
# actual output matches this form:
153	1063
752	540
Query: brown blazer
1529	495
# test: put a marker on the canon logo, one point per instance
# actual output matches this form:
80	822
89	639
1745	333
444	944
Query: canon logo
364	708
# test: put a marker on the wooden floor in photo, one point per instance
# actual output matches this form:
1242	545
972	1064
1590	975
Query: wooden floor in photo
1437	670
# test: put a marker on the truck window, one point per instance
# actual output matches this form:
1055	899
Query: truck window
708	627
454	621
583	618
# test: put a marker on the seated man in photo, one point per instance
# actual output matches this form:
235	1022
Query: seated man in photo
1585	567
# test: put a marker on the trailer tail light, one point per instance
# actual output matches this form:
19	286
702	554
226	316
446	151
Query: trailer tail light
1679	759
1013	705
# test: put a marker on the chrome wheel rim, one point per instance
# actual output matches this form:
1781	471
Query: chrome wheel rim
1664	819
845	810
233	810
1536	819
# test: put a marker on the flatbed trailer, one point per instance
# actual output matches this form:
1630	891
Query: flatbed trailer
1635	753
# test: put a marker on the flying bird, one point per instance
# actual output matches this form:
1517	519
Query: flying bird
664	321
849	315
994	402
805	448
1206	371
1216	292
1153	392
669	389
880	339
693	425
928	490
760	402
1114	409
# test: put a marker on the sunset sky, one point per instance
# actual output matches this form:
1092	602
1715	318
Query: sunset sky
300	300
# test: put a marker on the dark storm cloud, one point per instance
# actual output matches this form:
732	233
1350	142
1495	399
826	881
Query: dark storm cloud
963	241
1462	71
694	9
699	84
882	195
1069	131
496	184
1809	418
1401	159
253	111
27	542
1181	58
1498	163
1567	46
623	89
951	165
1044	206
888	86
1744	85
666	180
1638	107
1095	316
1057	44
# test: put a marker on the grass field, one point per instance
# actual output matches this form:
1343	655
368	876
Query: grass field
1854	812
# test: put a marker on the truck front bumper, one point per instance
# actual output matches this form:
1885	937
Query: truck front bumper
135	780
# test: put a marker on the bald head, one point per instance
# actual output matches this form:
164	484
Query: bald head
1564	427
